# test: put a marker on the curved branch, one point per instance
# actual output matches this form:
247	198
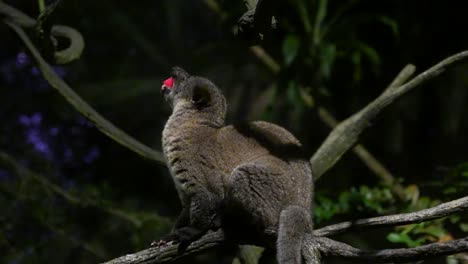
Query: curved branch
442	210
84	108
74	49
329	247
346	134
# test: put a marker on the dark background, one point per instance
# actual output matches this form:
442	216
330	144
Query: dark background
69	194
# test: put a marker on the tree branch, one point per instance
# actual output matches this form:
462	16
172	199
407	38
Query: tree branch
328	247
372	163
346	134
84	108
313	247
168	253
442	210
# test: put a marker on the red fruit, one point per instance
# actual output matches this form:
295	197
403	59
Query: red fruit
169	82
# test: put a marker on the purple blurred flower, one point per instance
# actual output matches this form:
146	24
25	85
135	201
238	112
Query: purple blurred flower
35	71
92	155
36	118
42	147
60	71
34	137
22	60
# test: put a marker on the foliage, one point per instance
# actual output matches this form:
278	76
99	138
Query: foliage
380	201
365	200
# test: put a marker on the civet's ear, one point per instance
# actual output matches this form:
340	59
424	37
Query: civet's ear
201	96
179	74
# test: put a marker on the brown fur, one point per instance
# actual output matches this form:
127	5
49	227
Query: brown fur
239	177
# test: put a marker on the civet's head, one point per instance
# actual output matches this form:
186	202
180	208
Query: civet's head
194	94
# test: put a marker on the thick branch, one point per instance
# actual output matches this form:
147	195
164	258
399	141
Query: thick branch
168	253
346	134
84	108
311	248
442	210
330	247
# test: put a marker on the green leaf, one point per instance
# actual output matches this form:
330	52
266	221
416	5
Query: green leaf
454	219
325	208
327	57
450	190
306	98
291	46
435	231
452	260
394	237
292	91
369	52
464	227
404	238
391	23
321	13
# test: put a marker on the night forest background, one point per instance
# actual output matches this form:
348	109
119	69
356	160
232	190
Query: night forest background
69	194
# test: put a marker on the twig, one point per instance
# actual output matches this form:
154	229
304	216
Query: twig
265	58
84	108
346	134
41	5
